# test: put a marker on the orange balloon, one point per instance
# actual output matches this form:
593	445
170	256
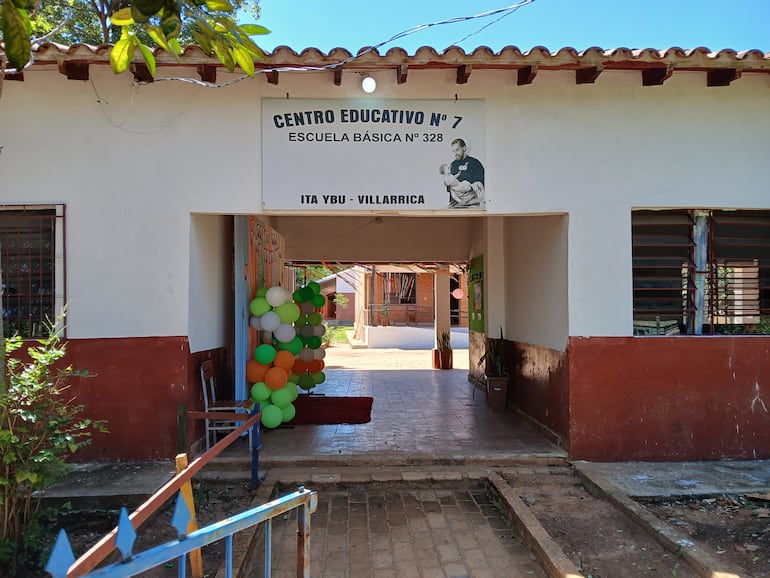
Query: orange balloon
299	367
276	378
255	371
284	359
314	366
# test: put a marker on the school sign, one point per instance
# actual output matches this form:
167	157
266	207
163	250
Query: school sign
364	155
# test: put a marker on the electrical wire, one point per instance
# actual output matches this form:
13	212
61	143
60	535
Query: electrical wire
500	12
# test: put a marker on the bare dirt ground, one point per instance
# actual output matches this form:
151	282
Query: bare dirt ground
735	528
602	541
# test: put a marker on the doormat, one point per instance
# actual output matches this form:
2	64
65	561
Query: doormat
324	409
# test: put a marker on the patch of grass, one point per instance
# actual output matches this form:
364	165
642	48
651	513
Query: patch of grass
336	334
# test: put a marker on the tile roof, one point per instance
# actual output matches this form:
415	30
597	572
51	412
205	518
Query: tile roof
510	57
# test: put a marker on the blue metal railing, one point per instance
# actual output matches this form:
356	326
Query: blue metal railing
132	564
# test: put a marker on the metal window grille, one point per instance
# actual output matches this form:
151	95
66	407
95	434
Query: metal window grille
736	292
28	257
663	270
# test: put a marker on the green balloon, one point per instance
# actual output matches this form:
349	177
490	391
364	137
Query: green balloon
260	391
295	346
294	378
319	377
272	416
302	320
281	397
261	292
306	293
259	306
315	319
297	296
293	389
318	300
265	354
314	342
306	381
288	411
314	287
288	312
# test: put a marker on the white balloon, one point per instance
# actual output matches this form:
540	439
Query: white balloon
285	333
271	321
319	353
306	354
319	330
306	307
276	296
255	323
306	331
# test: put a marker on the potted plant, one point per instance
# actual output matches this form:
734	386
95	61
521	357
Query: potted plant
442	355
495	372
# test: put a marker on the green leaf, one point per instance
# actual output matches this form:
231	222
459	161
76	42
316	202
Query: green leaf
16	30
138	15
122	54
223	53
122	17
24	4
171	26
148	7
202	41
157	36
219	5
244	60
176	48
252	29
249	45
149	58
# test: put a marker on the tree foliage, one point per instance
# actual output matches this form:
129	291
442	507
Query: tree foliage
133	25
40	426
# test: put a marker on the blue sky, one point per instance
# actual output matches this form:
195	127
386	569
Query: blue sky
352	24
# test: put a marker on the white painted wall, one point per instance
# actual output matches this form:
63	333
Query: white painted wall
412	337
536	281
210	282
132	163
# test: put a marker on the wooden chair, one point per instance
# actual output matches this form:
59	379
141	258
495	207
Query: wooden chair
210	404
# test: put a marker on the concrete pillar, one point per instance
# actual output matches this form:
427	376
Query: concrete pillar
494	277
440	303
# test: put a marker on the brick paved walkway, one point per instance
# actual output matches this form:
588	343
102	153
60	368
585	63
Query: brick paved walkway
440	530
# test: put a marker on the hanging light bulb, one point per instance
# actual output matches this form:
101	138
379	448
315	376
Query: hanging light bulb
368	84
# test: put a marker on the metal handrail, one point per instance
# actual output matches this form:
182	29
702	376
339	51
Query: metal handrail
99	551
133	564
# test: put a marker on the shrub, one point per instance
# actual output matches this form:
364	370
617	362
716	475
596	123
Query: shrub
39	428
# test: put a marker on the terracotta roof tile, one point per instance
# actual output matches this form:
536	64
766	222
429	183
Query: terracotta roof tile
699	58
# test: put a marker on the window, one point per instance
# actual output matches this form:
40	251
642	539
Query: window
31	257
701	272
400	288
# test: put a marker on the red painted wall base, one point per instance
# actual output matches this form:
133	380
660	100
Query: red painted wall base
137	385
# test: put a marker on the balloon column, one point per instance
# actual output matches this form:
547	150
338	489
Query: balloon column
310	328
273	313
290	353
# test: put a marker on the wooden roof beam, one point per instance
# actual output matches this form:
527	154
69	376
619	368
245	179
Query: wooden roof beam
656	76
588	75
722	76
272	77
338	77
74	70
526	74
464	73
207	73
401	73
141	72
